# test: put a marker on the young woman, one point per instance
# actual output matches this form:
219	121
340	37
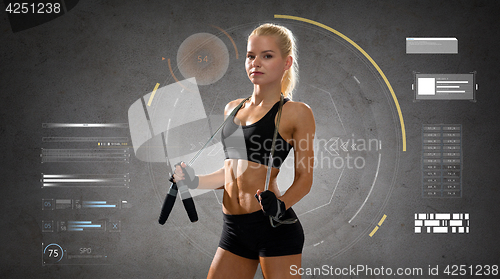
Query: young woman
248	236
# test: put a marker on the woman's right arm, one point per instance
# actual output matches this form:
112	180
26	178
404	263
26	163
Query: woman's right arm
214	180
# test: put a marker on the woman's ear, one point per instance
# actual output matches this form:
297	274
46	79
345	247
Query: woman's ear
288	62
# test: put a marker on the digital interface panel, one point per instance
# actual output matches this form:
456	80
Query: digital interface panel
442	155
431	45
445	87
101	100
84	178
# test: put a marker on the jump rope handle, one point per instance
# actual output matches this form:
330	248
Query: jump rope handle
168	204
188	202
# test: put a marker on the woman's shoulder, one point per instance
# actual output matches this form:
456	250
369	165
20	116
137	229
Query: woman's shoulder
231	105
298	113
298	107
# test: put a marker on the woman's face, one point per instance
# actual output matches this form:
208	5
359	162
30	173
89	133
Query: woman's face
264	63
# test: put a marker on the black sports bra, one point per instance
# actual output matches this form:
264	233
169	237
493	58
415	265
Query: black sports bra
253	142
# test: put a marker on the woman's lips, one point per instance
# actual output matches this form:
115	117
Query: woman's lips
256	73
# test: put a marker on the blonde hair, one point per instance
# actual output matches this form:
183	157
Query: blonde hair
288	46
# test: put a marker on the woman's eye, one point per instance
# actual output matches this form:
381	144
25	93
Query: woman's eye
268	56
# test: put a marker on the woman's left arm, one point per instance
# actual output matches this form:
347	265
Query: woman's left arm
304	128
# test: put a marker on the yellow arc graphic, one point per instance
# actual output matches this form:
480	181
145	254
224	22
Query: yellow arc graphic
403	133
379	224
382	220
153	94
374	231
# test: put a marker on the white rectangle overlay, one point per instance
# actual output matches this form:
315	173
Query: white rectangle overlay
426	86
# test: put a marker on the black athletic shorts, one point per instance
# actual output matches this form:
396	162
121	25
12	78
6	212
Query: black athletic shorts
252	236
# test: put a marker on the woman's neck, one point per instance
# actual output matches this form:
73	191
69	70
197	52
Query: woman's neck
265	95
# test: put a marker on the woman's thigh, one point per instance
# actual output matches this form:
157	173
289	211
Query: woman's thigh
228	265
281	267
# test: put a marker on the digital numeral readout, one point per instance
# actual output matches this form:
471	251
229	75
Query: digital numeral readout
33	8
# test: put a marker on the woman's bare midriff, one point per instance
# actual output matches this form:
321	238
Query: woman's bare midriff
242	180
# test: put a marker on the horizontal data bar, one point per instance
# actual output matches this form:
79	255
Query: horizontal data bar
452	81
84	125
85	139
65	204
85	155
85	180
